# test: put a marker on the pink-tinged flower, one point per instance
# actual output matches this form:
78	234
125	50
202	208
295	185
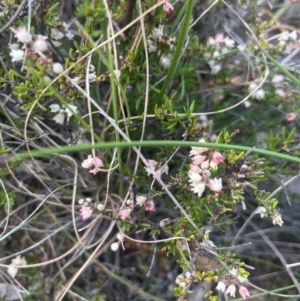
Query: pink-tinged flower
219	37
244	292
231	289
206	174
277	220
168	8
123	214
22	34
215	184
216	159
85	212
289	117
198	150
221	286
149	205
12	269
93	164
154	167
195	168
198	159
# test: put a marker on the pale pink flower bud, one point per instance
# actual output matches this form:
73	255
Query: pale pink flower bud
217	158
195	168
244	292
168	8
149	205
197	160
123	214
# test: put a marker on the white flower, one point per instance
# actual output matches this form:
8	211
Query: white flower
54	108
114	246
60	117
277	220
165	60
152	48
92	76
280	92
231	290
277	78
140	200
88	163
12	270
259	95
215	184
157	33
56	34
199	188
47	79
40	44
69	35
261	210
293	35
229	42
221	286
16	55
69	112
57	68
195	178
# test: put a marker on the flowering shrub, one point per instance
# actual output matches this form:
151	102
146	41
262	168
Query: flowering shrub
140	141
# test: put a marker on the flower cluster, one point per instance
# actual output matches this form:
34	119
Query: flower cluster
59	34
33	45
93	164
162	44
220	45
86	209
199	175
288	41
12	269
154	167
184	279
276	217
229	286
60	116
